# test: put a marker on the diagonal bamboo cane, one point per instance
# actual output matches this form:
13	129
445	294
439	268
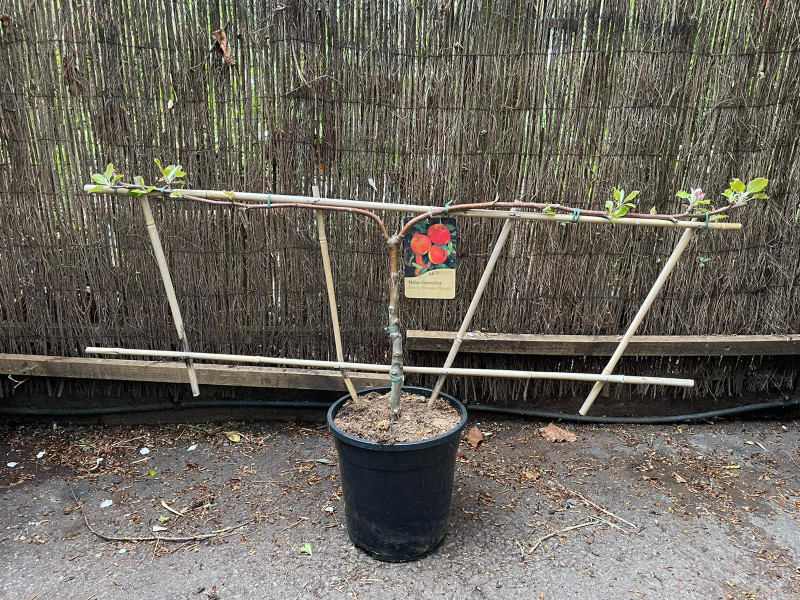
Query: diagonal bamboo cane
473	306
640	315
326	264
158	250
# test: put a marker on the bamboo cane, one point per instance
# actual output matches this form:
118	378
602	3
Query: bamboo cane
326	264
416	209
640	315
458	372
473	306
155	242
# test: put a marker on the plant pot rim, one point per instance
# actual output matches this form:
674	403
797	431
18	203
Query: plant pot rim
399	446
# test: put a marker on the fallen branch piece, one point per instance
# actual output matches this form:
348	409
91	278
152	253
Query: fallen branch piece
544	538
600	508
225	531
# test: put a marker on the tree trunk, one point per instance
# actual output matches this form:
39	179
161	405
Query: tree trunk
395	334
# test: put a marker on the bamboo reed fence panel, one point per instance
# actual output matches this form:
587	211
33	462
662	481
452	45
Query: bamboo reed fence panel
464	101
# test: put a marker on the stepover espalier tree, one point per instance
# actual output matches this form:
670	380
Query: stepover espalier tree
697	206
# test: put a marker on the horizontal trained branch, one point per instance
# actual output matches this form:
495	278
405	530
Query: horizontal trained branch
519	210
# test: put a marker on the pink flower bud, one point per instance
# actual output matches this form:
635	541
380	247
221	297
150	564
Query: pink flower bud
698	193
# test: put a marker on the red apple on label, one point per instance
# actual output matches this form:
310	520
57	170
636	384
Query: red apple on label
438	255
420	244
439	234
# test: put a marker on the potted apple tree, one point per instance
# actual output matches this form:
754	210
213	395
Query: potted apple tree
397	449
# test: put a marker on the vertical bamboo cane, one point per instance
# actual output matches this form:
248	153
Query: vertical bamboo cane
687	236
473	306
326	264
155	241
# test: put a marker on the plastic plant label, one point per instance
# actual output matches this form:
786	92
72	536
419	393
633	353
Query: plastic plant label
429	259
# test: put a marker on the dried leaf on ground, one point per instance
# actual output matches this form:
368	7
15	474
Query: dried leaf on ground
233	436
553	433
475	437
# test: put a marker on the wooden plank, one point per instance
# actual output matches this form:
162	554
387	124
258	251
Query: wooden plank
604	345
25	365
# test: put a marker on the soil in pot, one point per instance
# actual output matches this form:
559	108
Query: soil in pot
372	420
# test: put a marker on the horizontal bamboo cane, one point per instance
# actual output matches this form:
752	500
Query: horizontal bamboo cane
278	199
328	364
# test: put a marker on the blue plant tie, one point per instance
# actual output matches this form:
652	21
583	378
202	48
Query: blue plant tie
269	202
391	329
397	378
447	207
576	214
163	191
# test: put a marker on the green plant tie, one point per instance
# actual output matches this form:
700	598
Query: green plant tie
447	207
576	214
163	191
392	329
397	378
707	219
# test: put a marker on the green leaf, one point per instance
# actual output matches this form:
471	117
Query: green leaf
135	193
718	217
756	185
419	266
617	194
728	193
609	205
631	196
163	519
158	162
306	549
653	211
760	196
109	170
117	177
96	189
153	473
684	195
101	179
737	185
621	211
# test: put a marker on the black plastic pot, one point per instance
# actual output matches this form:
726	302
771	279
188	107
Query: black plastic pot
397	497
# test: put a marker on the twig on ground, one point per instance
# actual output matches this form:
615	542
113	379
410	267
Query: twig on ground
544	538
600	508
225	531
295	524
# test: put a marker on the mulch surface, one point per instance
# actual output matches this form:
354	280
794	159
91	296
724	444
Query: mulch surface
372	420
